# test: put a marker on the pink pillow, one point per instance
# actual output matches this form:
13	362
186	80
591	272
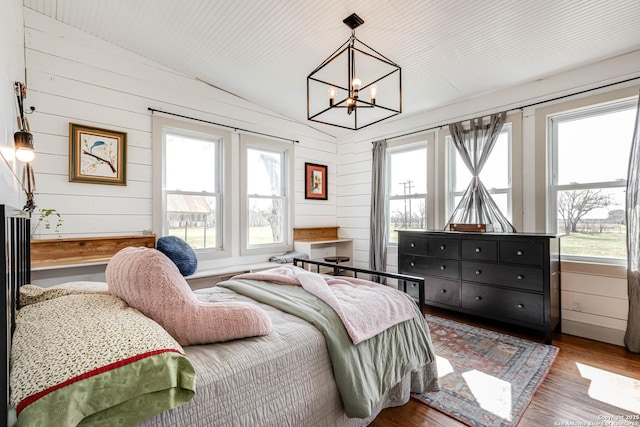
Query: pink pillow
150	282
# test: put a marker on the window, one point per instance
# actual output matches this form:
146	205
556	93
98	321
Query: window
267	194
192	188
589	161
495	175
406	189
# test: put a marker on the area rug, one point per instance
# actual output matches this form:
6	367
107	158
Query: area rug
486	378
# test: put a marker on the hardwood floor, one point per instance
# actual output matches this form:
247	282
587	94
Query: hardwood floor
590	383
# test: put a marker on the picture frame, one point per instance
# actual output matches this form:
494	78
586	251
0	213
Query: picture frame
315	181
97	156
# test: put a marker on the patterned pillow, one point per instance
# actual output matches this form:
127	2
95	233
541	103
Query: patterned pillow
180	252
148	281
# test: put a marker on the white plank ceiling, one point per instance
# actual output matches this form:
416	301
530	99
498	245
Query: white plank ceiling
449	50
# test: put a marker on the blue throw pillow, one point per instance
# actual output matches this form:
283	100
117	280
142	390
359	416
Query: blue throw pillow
180	252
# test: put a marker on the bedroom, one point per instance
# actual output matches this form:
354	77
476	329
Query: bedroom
68	69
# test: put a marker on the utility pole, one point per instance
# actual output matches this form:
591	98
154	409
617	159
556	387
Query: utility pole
406	189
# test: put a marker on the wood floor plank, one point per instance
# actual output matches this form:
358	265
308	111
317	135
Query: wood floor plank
566	395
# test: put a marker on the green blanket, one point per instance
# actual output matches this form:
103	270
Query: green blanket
363	372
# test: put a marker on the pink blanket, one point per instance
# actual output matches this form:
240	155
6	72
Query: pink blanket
365	308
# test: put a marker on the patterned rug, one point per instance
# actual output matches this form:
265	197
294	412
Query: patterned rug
486	378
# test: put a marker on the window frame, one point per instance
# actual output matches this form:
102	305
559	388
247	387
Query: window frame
425	142
552	121
288	157
162	127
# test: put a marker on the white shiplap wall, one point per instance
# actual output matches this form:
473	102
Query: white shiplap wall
599	315
74	77
11	71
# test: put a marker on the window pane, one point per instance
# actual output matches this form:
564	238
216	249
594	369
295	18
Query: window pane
193	219
264	172
594	148
408	173
265	221
406	214
592	222
190	164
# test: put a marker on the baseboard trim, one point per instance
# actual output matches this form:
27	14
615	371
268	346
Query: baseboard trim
594	332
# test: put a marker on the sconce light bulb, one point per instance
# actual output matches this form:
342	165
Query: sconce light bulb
25	155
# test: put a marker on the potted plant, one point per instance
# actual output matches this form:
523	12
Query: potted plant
50	219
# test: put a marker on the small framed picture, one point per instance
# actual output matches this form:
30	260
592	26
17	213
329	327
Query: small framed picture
315	181
97	156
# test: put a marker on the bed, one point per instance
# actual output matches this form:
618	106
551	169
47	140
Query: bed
289	376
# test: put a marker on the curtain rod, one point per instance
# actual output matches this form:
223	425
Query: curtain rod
153	110
523	106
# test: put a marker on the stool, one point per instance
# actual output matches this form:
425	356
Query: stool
337	260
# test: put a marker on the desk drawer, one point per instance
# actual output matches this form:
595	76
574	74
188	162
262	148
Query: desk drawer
522	252
442	291
496	302
514	276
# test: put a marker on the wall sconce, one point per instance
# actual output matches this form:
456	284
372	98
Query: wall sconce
23	139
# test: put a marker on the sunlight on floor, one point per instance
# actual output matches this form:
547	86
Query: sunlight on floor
493	394
614	389
444	366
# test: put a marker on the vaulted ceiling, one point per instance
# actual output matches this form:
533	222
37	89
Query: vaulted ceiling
449	50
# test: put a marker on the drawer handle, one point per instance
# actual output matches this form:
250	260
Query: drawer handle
478	272
443	267
413	245
443	291
520	306
443	247
519	277
413	285
413	264
478	250
519	253
478	298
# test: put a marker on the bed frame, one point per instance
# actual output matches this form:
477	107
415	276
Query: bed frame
16	271
374	276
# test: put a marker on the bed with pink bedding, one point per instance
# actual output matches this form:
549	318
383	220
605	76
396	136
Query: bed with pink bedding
305	371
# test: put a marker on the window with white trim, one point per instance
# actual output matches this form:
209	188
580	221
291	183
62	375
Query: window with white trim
588	175
495	175
267	192
192	187
406	189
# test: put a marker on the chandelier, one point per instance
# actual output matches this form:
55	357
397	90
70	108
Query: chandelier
355	87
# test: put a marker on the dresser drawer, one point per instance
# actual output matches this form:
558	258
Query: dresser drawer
420	266
514	276
413	290
496	302
480	250
442	291
444	248
414	245
522	252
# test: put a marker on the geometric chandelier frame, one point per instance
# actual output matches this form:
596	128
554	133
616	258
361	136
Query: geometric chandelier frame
354	87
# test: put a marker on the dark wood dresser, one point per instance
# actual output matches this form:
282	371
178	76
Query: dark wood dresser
510	277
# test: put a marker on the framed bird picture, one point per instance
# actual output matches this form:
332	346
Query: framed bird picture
97	156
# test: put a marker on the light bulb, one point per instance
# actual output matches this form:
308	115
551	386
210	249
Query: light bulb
374	91
25	155
332	96
356	83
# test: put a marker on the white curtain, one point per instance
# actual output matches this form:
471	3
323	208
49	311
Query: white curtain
474	146
632	336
